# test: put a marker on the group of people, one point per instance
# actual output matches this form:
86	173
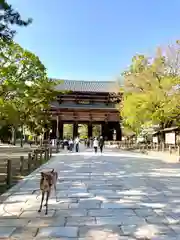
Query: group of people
98	143
70	143
93	142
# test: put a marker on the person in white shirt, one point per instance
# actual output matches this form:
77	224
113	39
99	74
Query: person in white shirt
95	145
77	144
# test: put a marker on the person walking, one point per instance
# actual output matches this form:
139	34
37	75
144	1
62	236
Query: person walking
88	142
70	145
77	144
85	142
91	142
95	145
101	143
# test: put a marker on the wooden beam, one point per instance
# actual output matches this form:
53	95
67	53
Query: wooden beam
106	117
75	116
90	116
79	115
91	94
82	99
82	96
81	110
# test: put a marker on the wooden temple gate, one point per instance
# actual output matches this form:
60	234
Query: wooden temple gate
86	103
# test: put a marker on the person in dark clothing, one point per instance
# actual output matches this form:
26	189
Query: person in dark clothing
92	140
88	142
85	142
71	145
101	143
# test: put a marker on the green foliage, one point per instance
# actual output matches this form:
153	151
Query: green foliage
9	17
150	90
68	130
82	129
96	130
25	90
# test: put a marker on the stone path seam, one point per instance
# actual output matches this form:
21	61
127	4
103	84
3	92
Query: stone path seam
108	197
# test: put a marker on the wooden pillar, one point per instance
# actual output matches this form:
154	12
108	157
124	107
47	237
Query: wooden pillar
118	132
105	130
53	134
90	129
61	128
110	130
75	129
57	127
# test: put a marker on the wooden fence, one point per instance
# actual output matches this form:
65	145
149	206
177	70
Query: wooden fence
13	168
166	148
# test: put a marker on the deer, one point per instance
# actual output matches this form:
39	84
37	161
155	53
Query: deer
47	181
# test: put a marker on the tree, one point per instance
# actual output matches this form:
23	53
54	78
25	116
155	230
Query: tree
68	130
150	90
96	130
8	17
83	131
25	90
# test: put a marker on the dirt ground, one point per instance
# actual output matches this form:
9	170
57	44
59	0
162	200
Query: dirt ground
13	154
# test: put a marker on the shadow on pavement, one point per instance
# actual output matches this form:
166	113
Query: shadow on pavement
108	197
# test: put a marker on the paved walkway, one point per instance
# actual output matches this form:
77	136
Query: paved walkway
109	197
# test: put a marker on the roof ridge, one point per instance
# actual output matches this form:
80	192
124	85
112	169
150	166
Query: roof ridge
87	86
86	81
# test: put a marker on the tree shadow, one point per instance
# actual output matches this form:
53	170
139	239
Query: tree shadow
104	197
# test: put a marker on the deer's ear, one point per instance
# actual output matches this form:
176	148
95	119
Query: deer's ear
52	170
42	174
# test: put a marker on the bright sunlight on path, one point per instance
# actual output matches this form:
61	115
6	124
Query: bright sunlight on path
100	197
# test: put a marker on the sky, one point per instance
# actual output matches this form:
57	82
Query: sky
95	39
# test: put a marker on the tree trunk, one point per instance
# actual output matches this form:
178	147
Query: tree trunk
162	134
13	137
35	140
41	139
21	143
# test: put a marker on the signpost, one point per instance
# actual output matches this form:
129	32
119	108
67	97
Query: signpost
170	138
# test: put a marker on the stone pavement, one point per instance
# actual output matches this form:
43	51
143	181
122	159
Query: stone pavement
110	197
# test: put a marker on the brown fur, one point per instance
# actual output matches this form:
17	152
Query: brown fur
48	180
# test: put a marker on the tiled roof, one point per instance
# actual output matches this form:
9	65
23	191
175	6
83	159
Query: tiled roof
88	86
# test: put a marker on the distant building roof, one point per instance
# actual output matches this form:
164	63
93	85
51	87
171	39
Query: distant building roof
88	86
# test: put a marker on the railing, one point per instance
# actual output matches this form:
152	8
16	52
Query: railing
169	148
113	144
13	168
